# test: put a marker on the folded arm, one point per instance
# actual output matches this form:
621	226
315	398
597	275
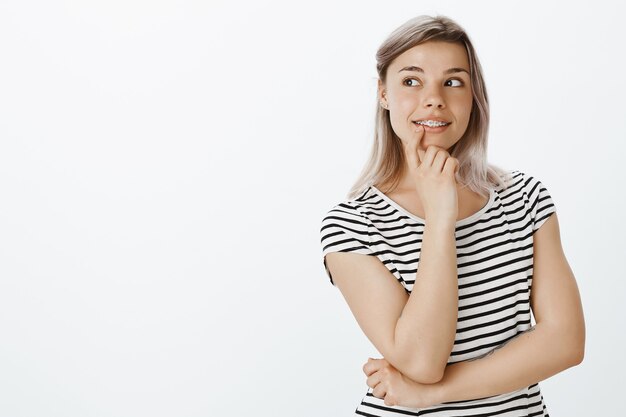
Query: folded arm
555	343
414	333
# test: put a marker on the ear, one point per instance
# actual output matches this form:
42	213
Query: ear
382	92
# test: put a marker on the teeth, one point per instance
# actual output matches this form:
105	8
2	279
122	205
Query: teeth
431	123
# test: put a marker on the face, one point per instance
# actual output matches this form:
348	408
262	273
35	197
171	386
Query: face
430	81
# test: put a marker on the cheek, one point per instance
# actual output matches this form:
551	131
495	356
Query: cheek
396	123
465	109
404	99
404	104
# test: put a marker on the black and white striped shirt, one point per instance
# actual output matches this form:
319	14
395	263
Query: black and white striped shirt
495	273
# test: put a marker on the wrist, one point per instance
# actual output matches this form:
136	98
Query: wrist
441	226
438	392
423	395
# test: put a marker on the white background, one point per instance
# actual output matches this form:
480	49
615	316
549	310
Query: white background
165	166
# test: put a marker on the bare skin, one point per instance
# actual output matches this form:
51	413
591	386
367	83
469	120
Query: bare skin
427	189
419	85
413	333
416	333
469	202
555	343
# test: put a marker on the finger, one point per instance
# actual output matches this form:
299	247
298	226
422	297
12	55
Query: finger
440	160
418	146
410	149
421	153
451	166
421	150
371	366
430	155
380	391
373	380
389	399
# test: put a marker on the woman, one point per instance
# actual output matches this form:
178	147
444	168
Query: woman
436	251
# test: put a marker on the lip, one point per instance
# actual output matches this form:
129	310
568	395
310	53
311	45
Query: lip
435	118
429	129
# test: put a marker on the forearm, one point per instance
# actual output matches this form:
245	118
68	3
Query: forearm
530	357
425	331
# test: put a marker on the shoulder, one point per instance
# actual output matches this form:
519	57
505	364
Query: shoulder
534	189
346	226
520	182
529	189
352	211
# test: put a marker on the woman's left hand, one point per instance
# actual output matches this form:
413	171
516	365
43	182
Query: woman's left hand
395	388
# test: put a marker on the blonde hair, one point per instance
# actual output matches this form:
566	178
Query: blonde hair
386	161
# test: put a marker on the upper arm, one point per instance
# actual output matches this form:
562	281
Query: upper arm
373	294
554	296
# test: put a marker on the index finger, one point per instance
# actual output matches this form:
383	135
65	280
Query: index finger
418	150
411	148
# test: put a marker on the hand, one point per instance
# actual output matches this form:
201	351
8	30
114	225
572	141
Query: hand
434	172
395	388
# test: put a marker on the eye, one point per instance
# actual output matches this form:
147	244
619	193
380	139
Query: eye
415	81
409	79
454	79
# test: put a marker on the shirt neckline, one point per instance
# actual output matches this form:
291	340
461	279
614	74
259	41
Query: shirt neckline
461	222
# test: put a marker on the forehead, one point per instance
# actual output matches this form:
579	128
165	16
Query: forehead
432	56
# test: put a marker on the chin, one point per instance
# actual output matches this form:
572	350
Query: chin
425	143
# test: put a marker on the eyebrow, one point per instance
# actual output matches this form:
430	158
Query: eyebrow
448	71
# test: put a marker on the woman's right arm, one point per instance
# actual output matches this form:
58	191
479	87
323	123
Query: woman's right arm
414	333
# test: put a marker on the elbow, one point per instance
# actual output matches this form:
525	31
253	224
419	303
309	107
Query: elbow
579	359
579	345
578	353
574	345
426	373
425	366
423	363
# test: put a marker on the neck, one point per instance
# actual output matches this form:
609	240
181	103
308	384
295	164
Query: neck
406	183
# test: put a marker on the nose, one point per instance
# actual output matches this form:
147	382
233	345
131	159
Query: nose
434	98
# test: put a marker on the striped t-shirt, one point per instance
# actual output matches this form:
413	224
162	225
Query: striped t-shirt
495	270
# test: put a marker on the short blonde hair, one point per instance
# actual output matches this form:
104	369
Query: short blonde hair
386	160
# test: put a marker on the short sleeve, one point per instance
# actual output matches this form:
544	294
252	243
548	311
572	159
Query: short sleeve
541	203
344	229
